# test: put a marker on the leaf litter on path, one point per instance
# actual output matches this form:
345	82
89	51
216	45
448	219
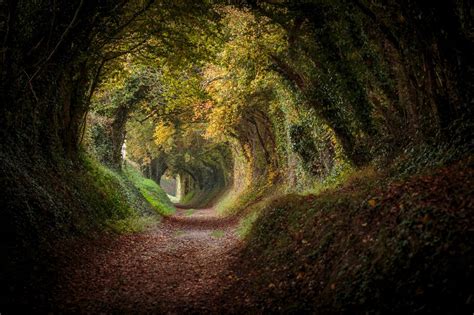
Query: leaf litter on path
178	265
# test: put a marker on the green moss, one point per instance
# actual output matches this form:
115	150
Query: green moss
132	224
217	233
188	197
246	224
151	191
113	196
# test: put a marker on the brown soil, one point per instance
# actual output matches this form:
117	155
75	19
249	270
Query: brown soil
181	265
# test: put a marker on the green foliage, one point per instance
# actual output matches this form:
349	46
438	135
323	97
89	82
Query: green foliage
290	95
301	95
217	233
421	157
188	197
338	175
189	212
334	248
247	222
97	140
115	200
236	201
124	201
151	191
133	224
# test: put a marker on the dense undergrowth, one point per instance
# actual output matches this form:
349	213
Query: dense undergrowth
378	242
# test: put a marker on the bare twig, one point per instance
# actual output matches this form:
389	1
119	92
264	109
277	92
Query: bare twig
117	54
127	23
63	35
95	81
383	28
7	32
31	86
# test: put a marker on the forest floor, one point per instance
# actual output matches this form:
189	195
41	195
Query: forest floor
177	266
385	245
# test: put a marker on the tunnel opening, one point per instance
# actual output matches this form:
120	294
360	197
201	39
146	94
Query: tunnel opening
168	183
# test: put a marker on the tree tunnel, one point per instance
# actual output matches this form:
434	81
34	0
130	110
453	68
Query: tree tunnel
169	185
248	96
286	88
234	92
344	66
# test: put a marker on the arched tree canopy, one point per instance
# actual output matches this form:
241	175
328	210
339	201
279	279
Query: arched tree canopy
249	102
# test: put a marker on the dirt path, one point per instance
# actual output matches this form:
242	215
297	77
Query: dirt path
178	266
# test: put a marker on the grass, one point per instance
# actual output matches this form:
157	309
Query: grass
189	212
187	198
246	224
132	224
179	233
151	191
114	198
337	177
234	201
217	233
124	201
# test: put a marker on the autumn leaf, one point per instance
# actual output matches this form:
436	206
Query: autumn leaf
372	203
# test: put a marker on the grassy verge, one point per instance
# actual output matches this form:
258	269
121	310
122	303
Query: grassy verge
151	191
374	244
44	204
119	204
236	202
187	198
200	198
189	212
217	233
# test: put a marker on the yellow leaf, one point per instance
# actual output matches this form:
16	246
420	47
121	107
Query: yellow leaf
163	133
372	202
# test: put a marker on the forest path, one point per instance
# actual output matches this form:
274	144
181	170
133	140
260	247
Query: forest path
178	266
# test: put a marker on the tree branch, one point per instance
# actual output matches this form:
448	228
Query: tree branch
383	28
288	72
127	23
114	55
63	35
